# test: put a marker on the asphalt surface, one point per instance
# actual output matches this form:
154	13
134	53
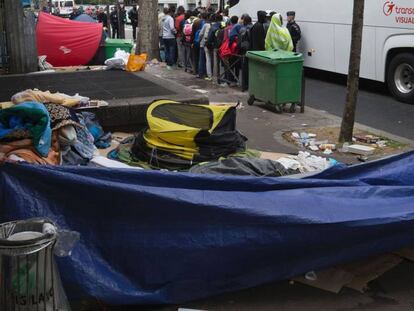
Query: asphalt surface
375	107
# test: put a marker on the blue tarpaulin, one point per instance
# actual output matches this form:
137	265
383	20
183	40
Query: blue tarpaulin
151	237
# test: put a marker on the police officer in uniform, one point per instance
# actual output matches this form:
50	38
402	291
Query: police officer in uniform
293	28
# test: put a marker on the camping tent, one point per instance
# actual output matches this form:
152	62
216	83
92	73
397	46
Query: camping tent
66	42
180	135
85	18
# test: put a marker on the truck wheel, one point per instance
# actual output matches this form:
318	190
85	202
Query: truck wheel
400	77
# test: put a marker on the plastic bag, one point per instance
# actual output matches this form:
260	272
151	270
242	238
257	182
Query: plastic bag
136	62
119	61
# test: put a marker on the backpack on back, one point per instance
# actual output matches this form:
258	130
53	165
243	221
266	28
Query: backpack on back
215	37
188	31
243	40
197	38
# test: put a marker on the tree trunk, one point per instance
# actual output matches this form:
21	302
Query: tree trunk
348	118
20	37
147	39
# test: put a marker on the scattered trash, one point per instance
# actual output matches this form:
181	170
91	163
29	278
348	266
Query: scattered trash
327	151
256	119
308	140
361	150
367	139
327	147
304	124
311	276
201	91
43	64
305	162
381	143
362	159
345	148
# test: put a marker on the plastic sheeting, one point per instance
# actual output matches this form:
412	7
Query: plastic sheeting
66	42
156	237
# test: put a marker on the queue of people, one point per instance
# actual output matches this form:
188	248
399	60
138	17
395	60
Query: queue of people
203	42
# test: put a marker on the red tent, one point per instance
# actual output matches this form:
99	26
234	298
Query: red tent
66	42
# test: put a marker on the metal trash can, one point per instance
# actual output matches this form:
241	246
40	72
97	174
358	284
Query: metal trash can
29	279
276	78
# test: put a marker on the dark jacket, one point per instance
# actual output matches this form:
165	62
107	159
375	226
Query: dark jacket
103	18
114	19
258	33
133	16
295	33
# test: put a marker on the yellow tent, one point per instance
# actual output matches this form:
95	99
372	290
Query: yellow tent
180	135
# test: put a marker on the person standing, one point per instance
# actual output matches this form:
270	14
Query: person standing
269	15
214	42
180	48
102	18
205	68
113	17
186	28
197	26
294	29
161	18
133	17
122	16
258	33
243	46
278	37
168	37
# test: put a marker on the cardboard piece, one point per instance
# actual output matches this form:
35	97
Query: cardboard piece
361	150
371	269
406	253
355	275
331	280
272	155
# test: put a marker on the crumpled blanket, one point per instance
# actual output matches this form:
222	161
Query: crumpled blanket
26	118
47	97
24	150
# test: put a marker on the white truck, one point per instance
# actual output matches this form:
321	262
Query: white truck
388	37
63	8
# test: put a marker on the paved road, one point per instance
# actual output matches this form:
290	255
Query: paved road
376	107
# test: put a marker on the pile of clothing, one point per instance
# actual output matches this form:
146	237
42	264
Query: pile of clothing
42	132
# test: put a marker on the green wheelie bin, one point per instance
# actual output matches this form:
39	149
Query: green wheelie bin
112	45
276	78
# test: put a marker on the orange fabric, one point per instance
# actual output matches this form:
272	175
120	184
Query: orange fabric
25	150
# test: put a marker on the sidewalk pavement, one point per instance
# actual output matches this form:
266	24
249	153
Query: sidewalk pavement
263	127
